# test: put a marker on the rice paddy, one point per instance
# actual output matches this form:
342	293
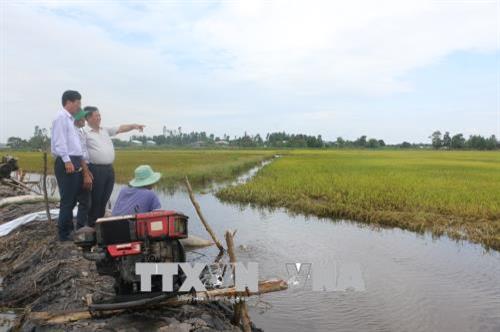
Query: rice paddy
444	192
201	166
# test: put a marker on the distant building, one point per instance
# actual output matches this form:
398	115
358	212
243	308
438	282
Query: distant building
198	144
222	143
135	142
150	142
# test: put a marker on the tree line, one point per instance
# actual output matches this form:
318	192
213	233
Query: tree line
177	138
458	141
39	141
275	140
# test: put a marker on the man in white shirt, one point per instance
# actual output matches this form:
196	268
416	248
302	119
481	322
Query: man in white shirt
101	157
69	168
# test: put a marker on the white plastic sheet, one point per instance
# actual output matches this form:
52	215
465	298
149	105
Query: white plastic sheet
41	215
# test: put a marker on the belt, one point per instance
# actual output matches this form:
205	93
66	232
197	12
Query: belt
76	160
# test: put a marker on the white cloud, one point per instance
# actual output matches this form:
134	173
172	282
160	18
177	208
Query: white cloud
42	59
153	60
360	46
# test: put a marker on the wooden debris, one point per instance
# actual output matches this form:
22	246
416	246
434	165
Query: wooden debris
202	218
240	308
21	200
193	242
88	299
18	184
61	317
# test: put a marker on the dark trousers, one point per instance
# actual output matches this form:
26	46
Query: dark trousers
83	200
69	187
104	180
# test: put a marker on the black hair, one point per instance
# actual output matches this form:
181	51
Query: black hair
89	110
70	95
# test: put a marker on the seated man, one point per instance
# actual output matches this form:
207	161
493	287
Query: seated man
138	196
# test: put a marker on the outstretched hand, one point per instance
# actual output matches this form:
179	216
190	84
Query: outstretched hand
128	127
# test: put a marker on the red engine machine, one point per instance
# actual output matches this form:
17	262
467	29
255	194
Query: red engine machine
117	243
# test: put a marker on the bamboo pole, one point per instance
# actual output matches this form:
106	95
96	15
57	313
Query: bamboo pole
202	218
22	174
45	194
61	317
240	308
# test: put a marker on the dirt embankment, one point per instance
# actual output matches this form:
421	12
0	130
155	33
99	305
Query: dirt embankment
42	274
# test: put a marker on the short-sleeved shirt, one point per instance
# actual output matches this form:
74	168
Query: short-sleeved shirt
81	135
135	200
100	146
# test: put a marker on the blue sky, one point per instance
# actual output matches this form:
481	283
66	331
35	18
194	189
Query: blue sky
395	70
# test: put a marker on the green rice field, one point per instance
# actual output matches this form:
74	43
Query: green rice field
444	192
201	166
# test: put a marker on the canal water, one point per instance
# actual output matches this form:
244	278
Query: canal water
388	279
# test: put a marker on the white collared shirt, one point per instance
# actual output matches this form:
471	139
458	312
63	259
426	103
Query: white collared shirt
65	141
100	146
83	142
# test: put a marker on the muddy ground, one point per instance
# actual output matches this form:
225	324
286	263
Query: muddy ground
42	274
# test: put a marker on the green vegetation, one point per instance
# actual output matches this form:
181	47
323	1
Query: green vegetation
201	166
445	192
458	142
277	140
